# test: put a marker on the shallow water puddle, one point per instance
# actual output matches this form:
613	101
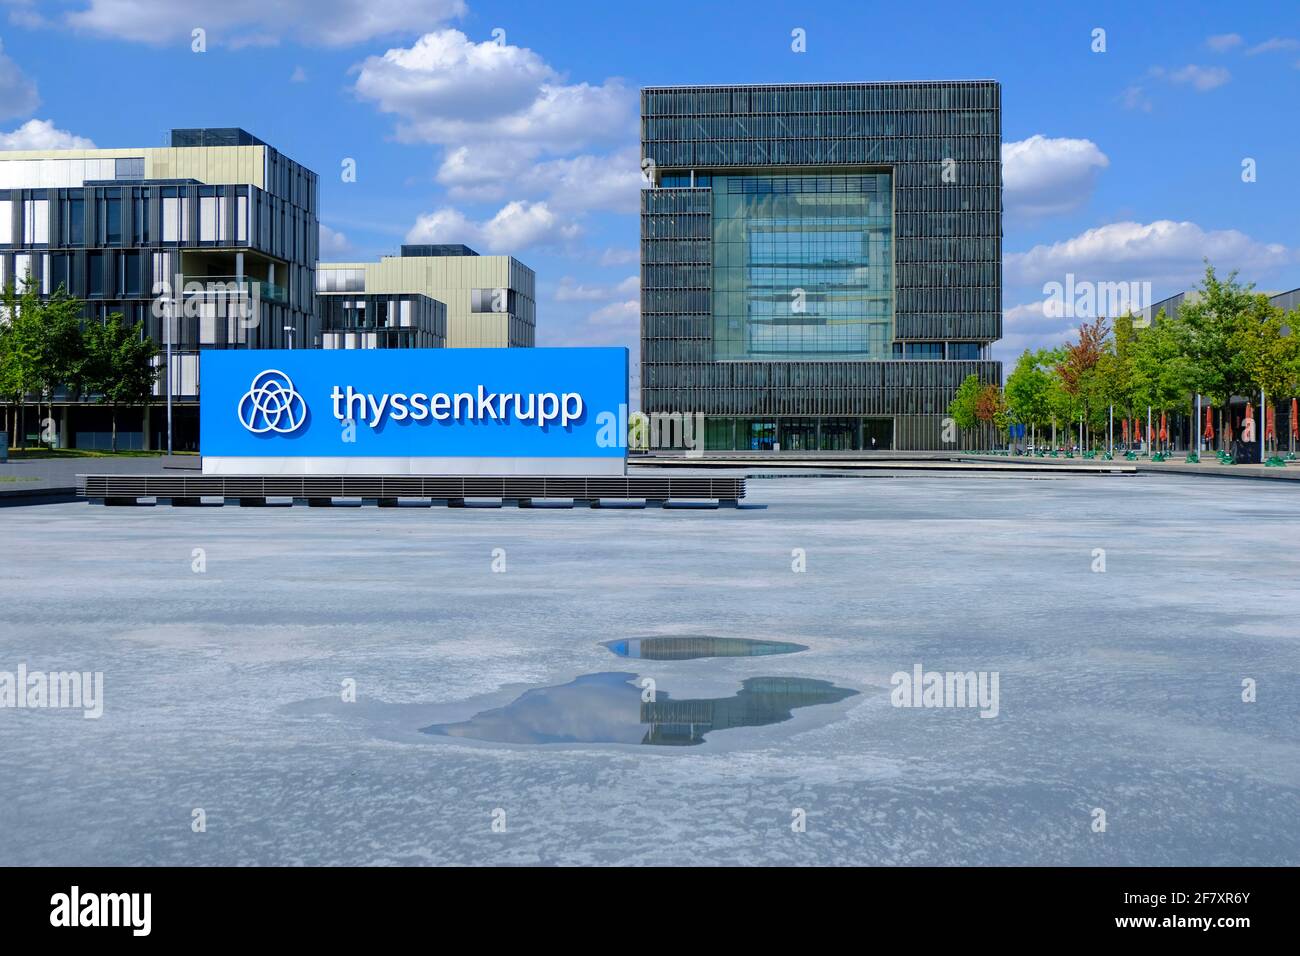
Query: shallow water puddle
607	708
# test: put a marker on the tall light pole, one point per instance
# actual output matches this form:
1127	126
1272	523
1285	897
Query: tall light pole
1199	434
168	319
289	332
1261	426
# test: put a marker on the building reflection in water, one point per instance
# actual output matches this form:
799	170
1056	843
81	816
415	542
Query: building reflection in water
607	708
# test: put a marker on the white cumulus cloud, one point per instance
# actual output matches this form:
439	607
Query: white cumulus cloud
42	134
1044	176
333	243
447	89
331	23
1166	253
579	183
517	225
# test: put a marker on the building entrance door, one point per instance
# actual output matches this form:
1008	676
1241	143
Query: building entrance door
877	434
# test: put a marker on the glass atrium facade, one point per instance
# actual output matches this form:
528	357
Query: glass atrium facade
802	267
821	264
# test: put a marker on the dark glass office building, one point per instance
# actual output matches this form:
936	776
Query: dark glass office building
820	264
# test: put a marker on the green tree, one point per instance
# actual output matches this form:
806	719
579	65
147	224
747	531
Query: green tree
1029	387
1271	353
962	408
991	408
118	366
1164	376
22	350
1208	325
60	353
1077	373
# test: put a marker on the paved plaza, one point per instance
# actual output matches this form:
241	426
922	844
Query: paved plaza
228	639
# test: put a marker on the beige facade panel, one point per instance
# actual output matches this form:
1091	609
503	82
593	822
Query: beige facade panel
213	165
450	280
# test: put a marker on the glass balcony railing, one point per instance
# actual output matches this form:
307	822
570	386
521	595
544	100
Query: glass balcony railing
233	286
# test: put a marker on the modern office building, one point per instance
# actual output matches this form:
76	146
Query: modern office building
232	217
820	264
490	301
361	320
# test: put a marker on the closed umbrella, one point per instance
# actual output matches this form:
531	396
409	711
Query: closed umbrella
1209	424
1164	428
1295	425
1270	425
1124	425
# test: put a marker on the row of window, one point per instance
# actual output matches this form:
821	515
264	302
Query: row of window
928	299
856	97
669	328
907	225
908	401
823	125
830	374
838	152
971	172
159	215
920	274
123	274
676	250
67	173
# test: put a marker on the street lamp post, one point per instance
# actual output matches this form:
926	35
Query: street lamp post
1262	429
168	319
289	332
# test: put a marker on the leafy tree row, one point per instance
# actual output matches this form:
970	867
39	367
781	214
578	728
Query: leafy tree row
1229	341
45	344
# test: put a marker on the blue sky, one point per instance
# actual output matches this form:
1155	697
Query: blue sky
1122	165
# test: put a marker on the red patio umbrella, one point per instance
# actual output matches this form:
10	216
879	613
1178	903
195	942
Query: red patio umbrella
1270	424
1295	425
1248	424
1124	423
1137	430
1209	424
1164	429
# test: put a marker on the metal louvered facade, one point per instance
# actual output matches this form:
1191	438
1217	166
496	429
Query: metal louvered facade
884	199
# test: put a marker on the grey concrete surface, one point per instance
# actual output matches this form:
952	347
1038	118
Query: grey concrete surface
1119	691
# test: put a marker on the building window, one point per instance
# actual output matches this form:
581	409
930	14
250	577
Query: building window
112	210
208	219
95	286
76	222
492	300
131	167
36	221
802	267
170	219
924	351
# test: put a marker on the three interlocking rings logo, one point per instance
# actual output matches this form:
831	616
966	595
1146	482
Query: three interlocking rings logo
271	404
